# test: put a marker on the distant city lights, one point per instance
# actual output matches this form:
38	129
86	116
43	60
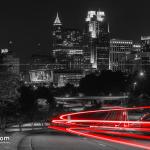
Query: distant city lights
4	51
141	74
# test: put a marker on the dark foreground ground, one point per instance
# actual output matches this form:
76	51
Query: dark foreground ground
53	140
47	139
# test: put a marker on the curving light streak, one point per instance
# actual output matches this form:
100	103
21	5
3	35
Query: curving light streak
109	110
110	139
117	124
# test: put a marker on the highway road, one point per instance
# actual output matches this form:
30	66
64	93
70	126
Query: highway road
63	134
54	140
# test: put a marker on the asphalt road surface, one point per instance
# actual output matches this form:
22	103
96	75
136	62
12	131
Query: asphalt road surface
54	140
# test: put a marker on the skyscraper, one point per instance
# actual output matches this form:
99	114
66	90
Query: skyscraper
9	61
67	46
134	58
145	42
145	54
68	54
96	40
119	50
57	33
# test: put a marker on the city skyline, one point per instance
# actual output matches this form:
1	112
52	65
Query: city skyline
27	24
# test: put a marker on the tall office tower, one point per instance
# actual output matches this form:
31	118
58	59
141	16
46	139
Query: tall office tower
57	33
145	43
12	63
71	58
9	61
133	58
68	54
67	49
96	40
72	44
136	47
145	54
119	50
72	38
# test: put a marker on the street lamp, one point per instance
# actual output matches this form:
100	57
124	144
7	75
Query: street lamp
141	74
134	85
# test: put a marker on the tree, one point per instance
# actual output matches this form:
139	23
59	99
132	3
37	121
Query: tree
44	92
89	84
69	89
8	95
112	82
27	100
107	82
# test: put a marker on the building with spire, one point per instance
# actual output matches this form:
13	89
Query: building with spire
68	54
67	47
57	33
57	21
79	52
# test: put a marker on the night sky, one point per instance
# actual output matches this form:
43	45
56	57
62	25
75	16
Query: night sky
28	23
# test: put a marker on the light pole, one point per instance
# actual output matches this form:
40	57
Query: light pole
142	78
141	74
134	85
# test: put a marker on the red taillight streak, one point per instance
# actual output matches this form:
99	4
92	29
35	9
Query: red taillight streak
110	139
122	134
100	137
100	121
94	111
103	126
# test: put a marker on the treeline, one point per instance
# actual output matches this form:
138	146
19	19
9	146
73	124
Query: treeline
105	83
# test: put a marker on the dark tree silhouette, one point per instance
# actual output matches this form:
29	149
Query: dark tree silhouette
107	82
8	95
27	101
44	92
89	85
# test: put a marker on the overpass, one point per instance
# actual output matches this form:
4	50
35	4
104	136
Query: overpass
101	98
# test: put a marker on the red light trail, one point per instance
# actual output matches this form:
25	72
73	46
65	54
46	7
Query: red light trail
95	124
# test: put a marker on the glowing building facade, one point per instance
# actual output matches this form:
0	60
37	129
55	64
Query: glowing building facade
9	61
67	46
96	40
68	54
57	33
62	78
145	42
133	58
41	76
145	54
119	52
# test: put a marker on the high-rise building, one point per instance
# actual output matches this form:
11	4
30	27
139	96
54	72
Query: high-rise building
145	43
39	61
71	58
72	38
57	33
136	47
133	58
67	46
119	50
68	54
62	78
10	62
41	76
96	40
145	54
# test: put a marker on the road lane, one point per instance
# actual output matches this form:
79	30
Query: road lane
54	140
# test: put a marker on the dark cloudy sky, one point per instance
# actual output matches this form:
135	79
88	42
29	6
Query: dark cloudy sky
28	23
